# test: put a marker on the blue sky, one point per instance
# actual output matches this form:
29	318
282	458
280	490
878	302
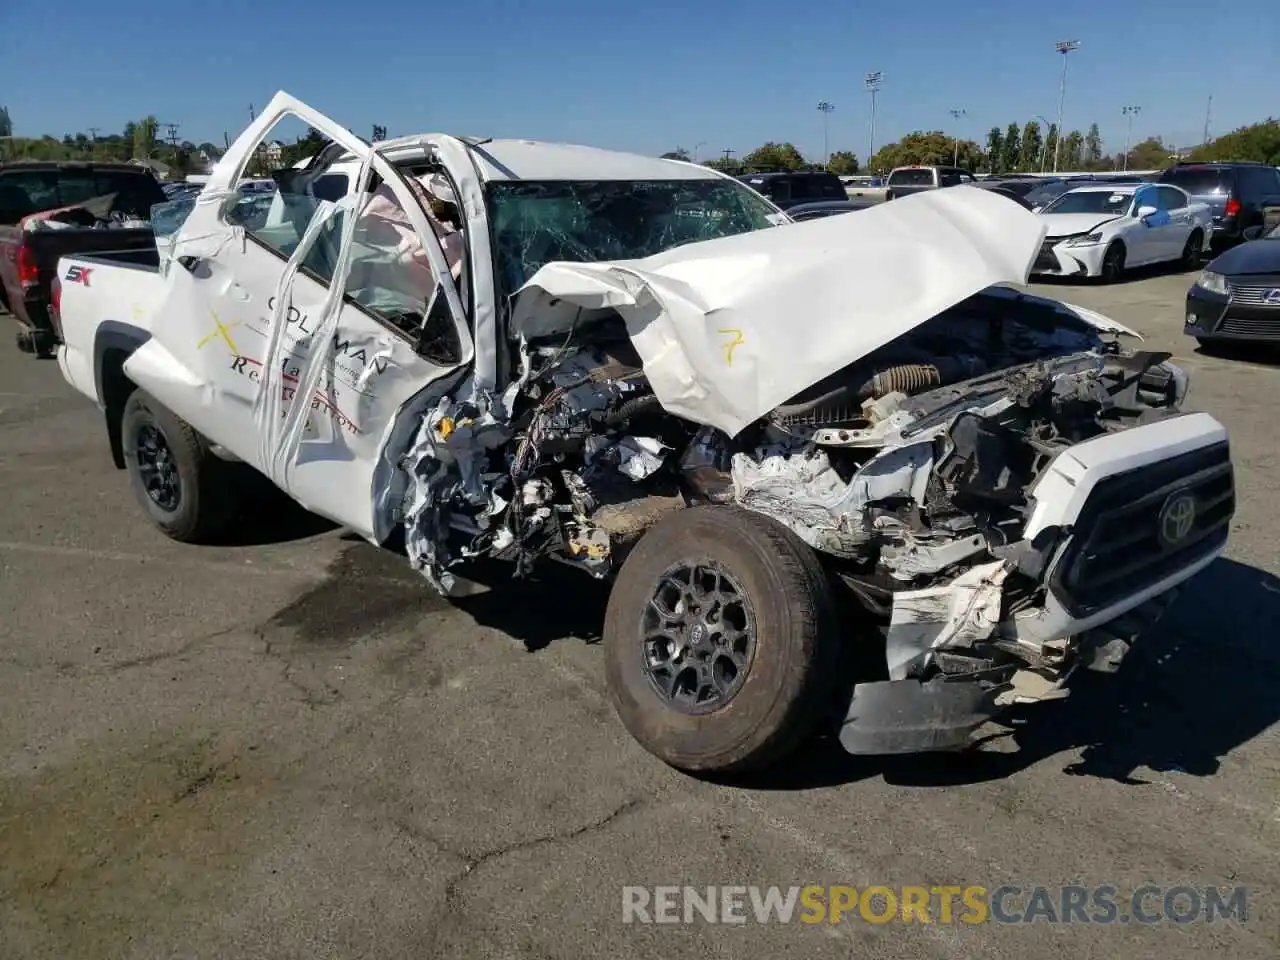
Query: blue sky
642	76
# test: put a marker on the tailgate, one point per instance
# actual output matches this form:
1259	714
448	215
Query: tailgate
50	246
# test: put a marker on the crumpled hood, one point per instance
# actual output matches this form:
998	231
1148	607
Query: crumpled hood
728	329
1069	224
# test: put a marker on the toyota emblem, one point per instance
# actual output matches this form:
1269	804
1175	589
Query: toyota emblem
1177	518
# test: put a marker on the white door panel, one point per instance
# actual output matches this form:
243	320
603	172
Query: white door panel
299	372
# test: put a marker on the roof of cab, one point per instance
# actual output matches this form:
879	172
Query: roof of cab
539	160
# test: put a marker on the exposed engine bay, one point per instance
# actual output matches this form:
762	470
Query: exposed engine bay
912	463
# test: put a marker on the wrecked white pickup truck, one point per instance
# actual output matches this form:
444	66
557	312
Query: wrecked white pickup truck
833	469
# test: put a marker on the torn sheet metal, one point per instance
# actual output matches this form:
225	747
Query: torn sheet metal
728	329
956	614
806	494
445	465
641	457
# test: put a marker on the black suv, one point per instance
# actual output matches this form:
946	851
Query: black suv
789	188
1236	192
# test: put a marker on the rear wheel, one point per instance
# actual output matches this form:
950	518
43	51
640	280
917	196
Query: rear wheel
719	641
1191	252
183	488
1113	263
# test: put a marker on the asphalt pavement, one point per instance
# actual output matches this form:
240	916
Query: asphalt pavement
288	747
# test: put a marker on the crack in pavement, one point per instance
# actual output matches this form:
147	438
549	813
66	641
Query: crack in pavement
310	697
71	670
472	863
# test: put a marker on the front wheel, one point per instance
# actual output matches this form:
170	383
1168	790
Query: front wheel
719	641
182	487
1113	263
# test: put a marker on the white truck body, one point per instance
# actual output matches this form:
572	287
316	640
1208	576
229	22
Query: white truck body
273	344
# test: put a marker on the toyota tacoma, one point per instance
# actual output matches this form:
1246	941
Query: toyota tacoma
841	475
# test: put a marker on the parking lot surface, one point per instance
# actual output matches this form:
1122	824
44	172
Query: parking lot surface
288	747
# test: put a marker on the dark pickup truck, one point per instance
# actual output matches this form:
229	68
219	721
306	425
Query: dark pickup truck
49	210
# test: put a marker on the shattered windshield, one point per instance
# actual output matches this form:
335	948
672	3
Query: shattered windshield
537	222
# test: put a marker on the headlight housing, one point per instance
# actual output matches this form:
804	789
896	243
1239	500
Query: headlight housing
1085	240
1213	282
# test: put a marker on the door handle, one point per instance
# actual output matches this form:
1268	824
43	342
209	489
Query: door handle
189	263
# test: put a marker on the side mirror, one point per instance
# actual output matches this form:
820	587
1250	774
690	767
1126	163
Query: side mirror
1144	212
1252	233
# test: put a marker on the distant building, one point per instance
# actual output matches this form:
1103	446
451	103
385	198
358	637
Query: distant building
274	152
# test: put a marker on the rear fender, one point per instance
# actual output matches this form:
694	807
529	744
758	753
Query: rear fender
113	344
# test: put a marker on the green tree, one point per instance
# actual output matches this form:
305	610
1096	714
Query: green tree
6	125
927	148
1073	150
1032	147
1012	149
1259	142
774	156
304	147
1151	154
724	164
995	150
843	163
1093	148
144	138
1051	155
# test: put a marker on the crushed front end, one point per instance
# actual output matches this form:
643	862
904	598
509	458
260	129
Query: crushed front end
1001	532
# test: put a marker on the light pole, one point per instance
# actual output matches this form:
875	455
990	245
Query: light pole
956	115
825	108
1130	112
872	81
1063	47
696	147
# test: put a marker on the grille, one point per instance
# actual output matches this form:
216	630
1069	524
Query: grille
1256	295
1260	328
1047	259
1115	549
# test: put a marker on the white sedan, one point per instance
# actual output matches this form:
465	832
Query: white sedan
1101	230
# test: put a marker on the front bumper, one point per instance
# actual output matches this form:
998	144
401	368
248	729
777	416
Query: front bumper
1215	316
1057	257
1100	572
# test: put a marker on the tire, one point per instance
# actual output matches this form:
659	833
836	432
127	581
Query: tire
1191	252
204	501
776	700
1113	263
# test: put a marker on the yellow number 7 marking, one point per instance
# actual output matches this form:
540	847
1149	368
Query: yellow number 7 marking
739	338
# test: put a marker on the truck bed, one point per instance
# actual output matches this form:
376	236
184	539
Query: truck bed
123	292
30	302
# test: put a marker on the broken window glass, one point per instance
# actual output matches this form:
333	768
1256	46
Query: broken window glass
538	222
